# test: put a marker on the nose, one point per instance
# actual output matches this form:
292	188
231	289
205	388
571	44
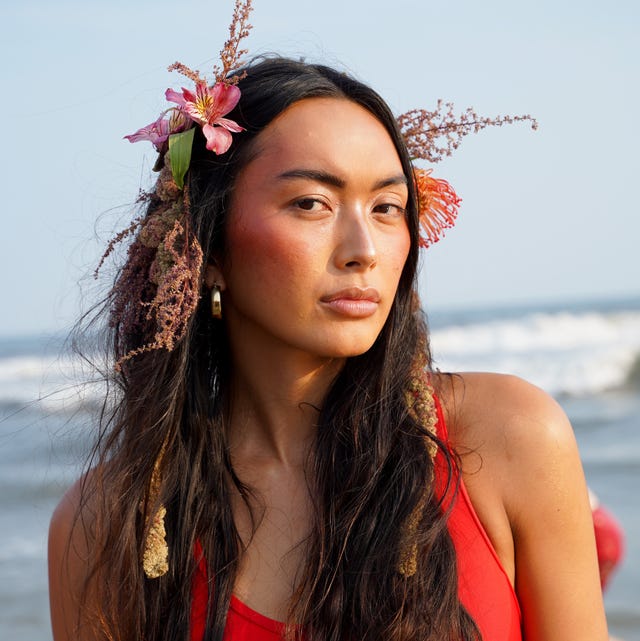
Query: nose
356	248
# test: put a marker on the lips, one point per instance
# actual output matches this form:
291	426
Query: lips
353	302
354	293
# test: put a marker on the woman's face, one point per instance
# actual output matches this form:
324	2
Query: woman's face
317	235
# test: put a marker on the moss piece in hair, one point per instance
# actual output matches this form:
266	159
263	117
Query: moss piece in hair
408	564
156	552
421	405
155	556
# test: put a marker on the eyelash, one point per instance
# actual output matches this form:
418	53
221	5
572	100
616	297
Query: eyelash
399	210
303	203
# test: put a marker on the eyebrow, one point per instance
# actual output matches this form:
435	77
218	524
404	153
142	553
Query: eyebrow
335	181
400	179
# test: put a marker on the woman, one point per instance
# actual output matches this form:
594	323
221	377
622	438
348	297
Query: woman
272	472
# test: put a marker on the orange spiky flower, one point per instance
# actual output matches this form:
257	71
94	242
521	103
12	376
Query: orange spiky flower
437	204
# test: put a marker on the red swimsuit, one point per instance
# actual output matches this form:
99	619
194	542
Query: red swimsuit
484	587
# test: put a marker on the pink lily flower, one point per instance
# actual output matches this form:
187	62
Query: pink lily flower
208	106
158	132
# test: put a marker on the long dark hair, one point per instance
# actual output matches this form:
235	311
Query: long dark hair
369	467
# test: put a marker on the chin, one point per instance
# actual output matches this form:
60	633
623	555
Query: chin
350	344
350	349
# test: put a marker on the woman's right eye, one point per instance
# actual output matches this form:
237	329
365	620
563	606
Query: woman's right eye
310	204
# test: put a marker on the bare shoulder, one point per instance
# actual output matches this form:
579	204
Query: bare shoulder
72	519
498	398
516	431
69	559
522	468
487	410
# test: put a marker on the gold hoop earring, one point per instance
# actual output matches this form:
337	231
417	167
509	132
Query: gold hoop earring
216	302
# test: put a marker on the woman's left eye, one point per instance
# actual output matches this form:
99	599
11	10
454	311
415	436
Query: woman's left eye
389	209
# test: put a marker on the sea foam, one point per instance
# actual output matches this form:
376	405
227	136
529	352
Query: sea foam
574	353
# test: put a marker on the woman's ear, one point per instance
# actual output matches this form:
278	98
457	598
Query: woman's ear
213	275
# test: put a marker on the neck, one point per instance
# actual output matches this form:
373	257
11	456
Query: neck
276	394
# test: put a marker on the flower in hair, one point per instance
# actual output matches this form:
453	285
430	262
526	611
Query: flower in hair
437	204
207	106
158	132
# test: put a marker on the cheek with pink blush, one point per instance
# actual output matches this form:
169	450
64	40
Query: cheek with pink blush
270	256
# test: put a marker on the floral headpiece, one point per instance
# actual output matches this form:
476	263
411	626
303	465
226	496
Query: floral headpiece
164	265
173	131
165	240
159	287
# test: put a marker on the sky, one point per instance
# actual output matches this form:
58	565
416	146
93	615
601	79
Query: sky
551	215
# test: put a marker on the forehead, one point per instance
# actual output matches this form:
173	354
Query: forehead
334	133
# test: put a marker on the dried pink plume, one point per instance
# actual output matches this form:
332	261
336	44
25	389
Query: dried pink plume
433	135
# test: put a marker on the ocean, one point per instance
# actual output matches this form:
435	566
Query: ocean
586	355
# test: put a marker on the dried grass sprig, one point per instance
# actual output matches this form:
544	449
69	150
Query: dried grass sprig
231	54
116	240
158	288
187	72
434	135
178	267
